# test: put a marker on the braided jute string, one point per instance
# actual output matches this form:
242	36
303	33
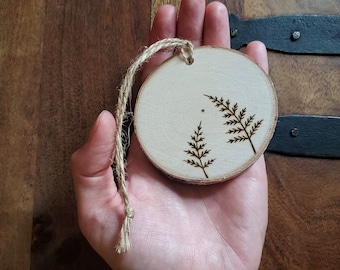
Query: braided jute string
186	49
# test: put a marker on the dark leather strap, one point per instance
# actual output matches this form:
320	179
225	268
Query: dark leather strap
307	136
306	34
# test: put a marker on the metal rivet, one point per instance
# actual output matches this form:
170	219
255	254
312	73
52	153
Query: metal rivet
294	132
233	32
295	35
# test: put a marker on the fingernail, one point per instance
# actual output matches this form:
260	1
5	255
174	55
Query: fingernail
95	125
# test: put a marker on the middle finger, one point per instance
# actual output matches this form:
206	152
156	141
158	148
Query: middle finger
191	20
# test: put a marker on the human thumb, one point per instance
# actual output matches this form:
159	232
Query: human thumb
92	173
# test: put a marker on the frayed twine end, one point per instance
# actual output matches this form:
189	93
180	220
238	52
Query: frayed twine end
124	243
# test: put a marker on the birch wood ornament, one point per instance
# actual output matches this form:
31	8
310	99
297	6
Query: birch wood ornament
209	121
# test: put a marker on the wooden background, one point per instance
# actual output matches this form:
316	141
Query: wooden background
60	64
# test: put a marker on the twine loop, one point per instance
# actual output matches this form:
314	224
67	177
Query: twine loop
186	49
187	53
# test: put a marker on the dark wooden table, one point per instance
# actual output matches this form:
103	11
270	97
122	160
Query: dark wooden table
60	64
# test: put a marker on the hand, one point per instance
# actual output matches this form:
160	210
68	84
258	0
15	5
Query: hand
176	226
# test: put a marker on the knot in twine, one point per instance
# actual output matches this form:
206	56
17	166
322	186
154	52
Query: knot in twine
186	49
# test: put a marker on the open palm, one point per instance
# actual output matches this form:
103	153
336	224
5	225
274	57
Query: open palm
176	226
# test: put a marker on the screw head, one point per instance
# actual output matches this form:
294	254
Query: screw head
295	35
294	132
233	32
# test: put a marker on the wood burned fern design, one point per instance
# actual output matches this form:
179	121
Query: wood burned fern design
197	151
243	129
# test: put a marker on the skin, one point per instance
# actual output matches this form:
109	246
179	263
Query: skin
176	226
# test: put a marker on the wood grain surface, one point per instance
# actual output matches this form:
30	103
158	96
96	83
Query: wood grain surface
20	69
60	64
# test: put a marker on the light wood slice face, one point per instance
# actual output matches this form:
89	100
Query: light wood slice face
207	122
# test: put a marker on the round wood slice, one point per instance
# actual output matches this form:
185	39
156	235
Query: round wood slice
207	122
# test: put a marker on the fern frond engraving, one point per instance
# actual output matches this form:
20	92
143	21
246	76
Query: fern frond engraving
242	128
197	151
